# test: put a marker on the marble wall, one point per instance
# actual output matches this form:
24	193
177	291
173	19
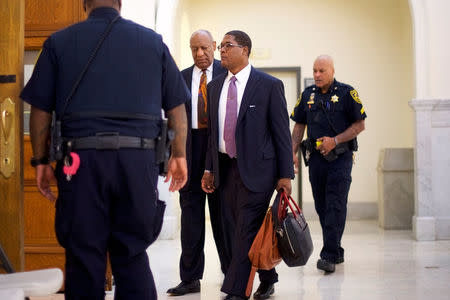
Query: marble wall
431	220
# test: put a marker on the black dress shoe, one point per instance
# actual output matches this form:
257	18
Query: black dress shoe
325	265
340	260
231	297
185	288
264	290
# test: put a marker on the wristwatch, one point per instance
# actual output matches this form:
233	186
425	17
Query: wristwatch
39	161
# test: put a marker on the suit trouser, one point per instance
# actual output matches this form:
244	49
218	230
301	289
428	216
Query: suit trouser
108	206
330	182
192	202
243	213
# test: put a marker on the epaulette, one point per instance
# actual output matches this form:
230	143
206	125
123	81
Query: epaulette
344	86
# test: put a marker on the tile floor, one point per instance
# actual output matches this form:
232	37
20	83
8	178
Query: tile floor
378	265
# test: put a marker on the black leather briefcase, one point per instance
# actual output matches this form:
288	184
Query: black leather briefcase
294	239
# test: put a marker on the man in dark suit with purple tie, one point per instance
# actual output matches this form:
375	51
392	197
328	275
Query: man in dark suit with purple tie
192	197
249	156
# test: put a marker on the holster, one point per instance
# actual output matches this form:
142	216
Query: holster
353	145
162	149
307	147
56	140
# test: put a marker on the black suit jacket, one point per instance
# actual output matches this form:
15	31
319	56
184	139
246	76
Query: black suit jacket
263	139
187	75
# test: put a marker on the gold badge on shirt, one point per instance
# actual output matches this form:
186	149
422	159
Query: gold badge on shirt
311	99
335	99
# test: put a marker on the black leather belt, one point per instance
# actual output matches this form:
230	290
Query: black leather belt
111	142
225	156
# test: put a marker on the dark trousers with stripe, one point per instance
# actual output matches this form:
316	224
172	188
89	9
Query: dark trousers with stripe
330	182
108	206
243	212
192	202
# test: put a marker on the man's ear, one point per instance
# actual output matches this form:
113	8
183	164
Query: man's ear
245	49
214	45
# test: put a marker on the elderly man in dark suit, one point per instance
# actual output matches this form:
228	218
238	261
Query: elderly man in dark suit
192	197
249	155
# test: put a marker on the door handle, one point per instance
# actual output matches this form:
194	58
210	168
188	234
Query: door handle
7	137
7	121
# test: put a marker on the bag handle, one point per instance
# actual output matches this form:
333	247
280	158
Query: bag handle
285	202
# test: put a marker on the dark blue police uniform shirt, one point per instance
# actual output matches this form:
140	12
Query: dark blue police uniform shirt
342	105
133	73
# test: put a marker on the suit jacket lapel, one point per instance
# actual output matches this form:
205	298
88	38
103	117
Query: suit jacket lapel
250	89
188	80
216	69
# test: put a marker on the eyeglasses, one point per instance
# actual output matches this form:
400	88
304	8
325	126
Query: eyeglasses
228	45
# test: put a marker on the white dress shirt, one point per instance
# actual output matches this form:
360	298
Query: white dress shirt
241	83
196	75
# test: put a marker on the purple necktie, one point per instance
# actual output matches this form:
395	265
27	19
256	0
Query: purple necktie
231	119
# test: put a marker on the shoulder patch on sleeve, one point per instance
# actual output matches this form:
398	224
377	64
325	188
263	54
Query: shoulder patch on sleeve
37	57
299	100
297	104
355	96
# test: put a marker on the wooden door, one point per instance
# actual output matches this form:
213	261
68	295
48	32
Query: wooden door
11	130
44	17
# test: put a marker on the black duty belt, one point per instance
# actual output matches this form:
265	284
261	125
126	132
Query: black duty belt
111	142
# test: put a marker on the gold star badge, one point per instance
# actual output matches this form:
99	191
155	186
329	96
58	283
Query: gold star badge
334	99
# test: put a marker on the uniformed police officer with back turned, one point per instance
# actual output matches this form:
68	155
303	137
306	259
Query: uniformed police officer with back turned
334	116
111	123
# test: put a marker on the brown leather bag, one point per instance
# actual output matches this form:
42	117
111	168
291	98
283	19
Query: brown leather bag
264	251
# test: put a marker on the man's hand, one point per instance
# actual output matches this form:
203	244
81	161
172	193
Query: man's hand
208	182
295	158
285	184
177	171
44	177
327	145
297	136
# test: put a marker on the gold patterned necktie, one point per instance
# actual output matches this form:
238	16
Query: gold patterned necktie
202	105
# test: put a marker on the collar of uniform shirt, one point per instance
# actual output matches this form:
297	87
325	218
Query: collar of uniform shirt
332	87
101	12
242	76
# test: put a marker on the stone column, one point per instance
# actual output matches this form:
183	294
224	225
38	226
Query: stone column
431	220
432	108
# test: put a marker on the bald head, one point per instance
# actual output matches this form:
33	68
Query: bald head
323	71
202	48
203	32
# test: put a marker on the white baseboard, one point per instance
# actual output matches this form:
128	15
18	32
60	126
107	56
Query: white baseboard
355	211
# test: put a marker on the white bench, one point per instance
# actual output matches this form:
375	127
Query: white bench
12	294
32	284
